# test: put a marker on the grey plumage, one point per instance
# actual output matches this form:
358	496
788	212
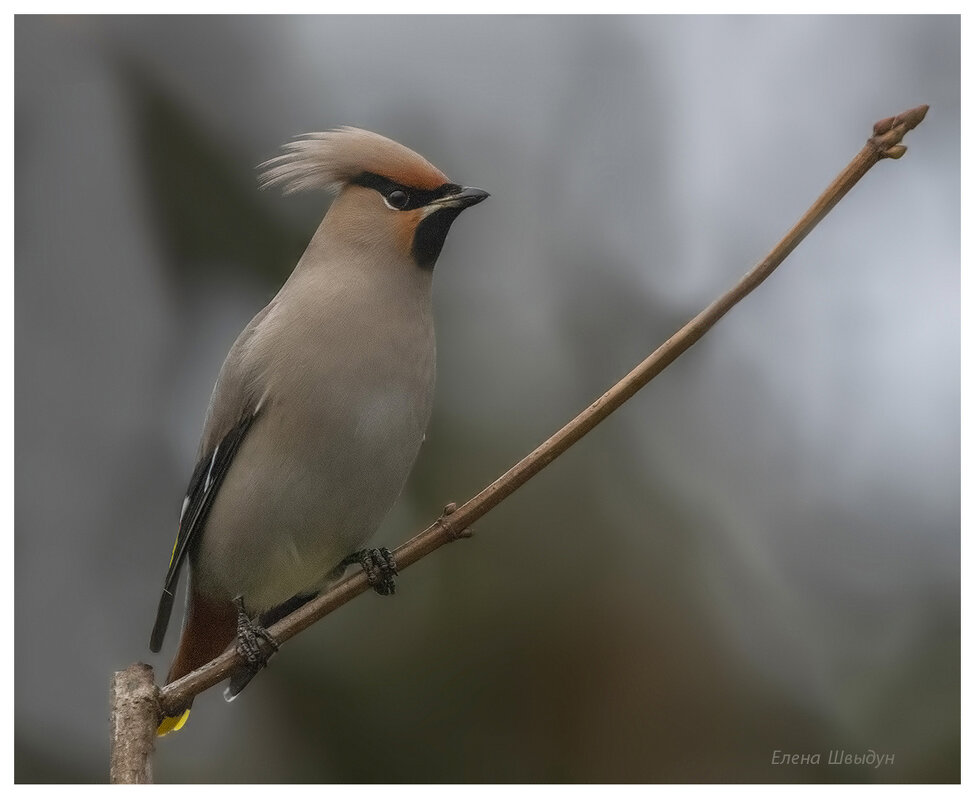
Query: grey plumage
340	368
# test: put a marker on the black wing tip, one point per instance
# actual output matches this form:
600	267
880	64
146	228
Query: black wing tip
162	621
156	640
207	477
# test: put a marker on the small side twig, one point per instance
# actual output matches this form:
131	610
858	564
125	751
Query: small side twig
454	523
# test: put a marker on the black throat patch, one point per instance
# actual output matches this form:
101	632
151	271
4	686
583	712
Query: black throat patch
430	235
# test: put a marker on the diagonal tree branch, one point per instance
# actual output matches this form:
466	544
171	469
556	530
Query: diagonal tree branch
885	143
453	523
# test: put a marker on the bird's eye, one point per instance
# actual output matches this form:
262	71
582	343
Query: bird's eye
397	199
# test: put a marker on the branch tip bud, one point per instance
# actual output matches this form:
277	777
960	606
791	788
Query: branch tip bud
911	119
888	132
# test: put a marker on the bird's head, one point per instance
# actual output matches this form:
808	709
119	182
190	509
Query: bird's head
389	197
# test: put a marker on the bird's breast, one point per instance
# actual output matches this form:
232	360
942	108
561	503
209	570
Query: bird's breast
328	454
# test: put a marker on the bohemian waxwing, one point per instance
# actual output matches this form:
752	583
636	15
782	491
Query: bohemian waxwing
321	405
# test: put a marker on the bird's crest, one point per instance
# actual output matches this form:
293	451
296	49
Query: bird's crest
329	159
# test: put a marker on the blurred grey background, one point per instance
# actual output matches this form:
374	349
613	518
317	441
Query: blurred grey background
758	553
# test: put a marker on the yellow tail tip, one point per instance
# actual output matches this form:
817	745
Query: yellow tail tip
172	724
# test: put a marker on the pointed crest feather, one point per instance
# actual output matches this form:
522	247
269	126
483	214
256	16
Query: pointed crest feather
328	159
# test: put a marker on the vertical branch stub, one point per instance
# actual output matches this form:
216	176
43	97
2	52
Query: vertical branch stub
135	716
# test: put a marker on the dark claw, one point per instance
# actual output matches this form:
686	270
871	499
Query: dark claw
379	566
249	636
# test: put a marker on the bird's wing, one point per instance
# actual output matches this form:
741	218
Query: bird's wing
207	477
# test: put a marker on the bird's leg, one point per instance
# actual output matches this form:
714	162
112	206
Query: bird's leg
249	648
378	565
249	634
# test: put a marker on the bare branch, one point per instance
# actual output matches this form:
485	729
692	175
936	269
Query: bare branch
135	715
885	143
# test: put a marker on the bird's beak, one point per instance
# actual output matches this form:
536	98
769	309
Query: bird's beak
468	196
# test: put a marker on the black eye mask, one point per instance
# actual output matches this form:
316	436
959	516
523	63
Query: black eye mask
415	198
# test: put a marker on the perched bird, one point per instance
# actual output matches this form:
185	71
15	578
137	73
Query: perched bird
321	405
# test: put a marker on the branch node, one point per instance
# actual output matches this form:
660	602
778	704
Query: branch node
449	528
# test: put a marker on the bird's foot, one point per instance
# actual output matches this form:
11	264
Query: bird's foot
250	633
379	566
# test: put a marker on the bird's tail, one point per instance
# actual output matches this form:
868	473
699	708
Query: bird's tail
209	628
174	723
